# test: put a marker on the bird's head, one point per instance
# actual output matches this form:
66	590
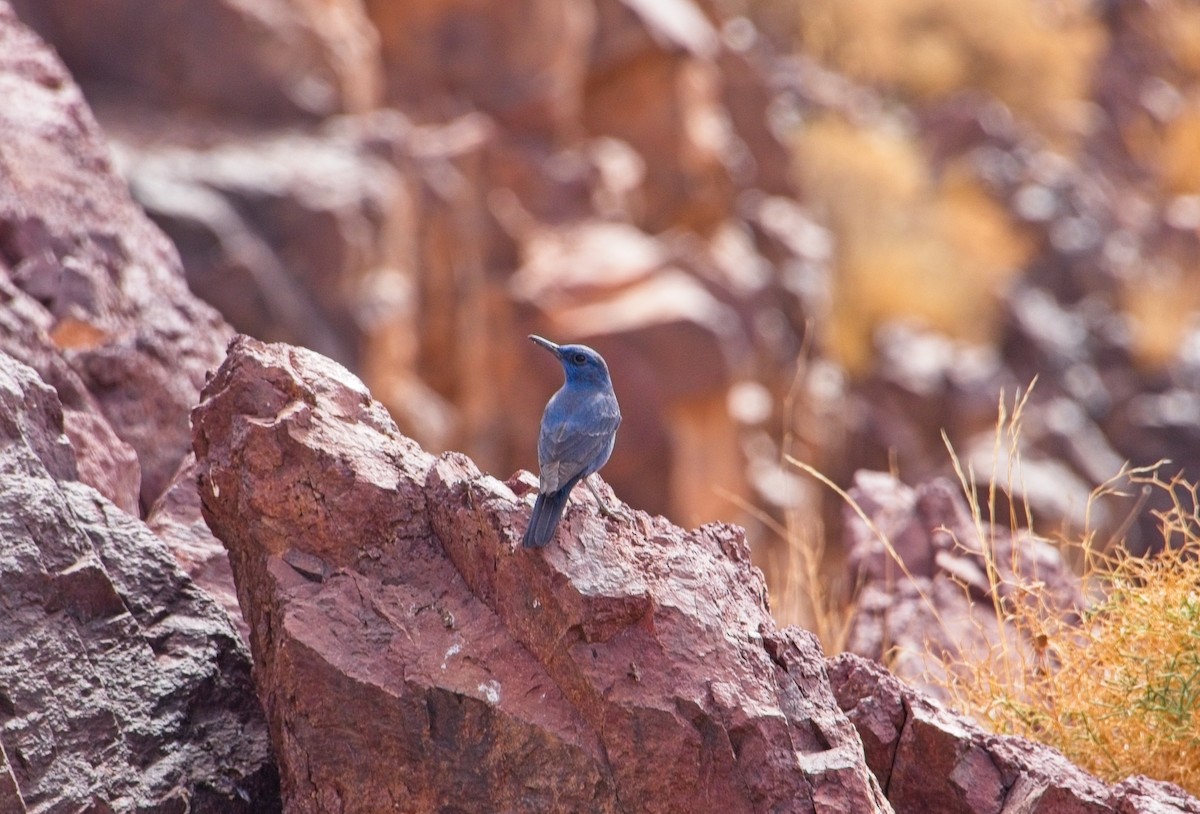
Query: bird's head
580	363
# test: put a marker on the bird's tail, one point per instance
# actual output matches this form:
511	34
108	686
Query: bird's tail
546	513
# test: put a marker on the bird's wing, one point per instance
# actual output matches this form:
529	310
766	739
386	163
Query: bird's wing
581	442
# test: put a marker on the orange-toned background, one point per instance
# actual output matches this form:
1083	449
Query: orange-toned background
830	228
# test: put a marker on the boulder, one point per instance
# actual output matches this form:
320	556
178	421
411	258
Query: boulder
521	62
411	654
106	285
941	603
123	687
653	81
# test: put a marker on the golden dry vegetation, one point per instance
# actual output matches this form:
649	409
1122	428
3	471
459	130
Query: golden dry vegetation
908	245
1118	690
1035	56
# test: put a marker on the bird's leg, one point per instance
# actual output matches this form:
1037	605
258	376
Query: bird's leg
615	514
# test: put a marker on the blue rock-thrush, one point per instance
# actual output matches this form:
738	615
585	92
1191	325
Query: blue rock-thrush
579	428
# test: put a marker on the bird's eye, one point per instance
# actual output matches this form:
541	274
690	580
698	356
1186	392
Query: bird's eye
579	358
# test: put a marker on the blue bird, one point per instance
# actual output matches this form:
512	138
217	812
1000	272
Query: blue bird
579	428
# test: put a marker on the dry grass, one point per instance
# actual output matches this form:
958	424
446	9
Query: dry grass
803	593
1117	691
1115	687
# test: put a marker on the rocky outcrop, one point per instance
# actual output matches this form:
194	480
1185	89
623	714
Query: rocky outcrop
947	589
93	280
94	301
123	687
410	654
273	60
933	762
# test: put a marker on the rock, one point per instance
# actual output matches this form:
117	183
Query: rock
176	519
521	62
941	603
123	687
652	81
408	648
282	232
274	60
104	461
932	761
108	285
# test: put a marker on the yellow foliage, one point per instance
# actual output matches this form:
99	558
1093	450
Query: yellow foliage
907	245
1179	165
1178	28
1035	56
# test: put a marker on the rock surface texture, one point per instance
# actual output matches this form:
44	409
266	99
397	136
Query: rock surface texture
95	281
92	297
123	686
942	605
412	656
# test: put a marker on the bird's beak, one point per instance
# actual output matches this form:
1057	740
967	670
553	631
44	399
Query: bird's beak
545	343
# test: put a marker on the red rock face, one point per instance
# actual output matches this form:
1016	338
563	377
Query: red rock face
269	60
408	649
122	686
98	279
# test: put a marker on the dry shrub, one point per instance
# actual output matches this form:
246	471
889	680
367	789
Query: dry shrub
1115	687
1036	56
909	246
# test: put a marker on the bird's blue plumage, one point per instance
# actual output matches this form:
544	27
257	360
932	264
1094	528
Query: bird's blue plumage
579	428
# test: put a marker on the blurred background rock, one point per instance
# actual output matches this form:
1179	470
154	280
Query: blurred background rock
829	228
